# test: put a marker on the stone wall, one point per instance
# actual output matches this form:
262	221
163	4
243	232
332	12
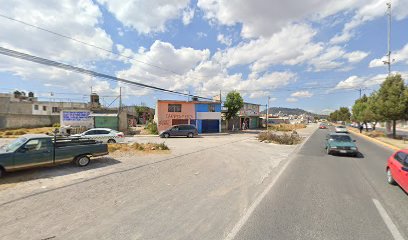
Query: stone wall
15	107
26	120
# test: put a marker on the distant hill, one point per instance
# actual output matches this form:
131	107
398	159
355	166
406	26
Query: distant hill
290	111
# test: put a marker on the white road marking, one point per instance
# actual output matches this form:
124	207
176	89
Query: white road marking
390	224
231	235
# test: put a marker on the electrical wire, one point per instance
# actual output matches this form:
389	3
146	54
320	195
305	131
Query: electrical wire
44	61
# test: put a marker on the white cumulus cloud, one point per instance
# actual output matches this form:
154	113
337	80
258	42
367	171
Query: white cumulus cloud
147	16
292	100
302	94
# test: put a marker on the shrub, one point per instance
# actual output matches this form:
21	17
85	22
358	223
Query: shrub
284	139
152	128
56	125
375	134
114	147
136	147
163	146
8	133
19	132
286	127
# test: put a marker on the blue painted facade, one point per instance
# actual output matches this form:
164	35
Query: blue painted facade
204	107
211	124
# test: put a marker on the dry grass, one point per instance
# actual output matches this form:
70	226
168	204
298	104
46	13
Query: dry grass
286	127
375	134
284	139
22	131
145	147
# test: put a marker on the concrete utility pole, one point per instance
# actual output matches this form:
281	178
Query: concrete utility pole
360	91
267	114
388	62
220	97
120	98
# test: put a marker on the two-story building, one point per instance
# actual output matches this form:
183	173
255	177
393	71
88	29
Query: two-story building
249	116
19	109
205	115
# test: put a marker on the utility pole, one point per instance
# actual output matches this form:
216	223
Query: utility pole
220	97
120	98
267	114
388	62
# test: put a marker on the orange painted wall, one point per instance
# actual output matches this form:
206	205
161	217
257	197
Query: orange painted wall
164	118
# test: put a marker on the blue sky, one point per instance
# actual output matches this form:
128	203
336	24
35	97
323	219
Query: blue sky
312	54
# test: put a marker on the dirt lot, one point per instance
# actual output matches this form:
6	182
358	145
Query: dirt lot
198	190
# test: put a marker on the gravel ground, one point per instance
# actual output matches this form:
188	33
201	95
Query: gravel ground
196	191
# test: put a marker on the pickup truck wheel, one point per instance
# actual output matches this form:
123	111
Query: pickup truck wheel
111	141
82	161
390	179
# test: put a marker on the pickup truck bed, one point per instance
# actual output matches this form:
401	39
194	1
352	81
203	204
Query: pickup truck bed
41	150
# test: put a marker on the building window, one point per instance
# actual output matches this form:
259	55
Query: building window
211	107
44	108
55	109
35	107
174	108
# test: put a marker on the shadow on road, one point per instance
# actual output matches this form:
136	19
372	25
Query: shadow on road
359	155
55	171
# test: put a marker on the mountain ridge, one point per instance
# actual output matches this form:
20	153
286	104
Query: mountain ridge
290	111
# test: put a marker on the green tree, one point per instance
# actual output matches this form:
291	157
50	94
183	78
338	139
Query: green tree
392	100
362	112
374	108
344	114
333	116
233	102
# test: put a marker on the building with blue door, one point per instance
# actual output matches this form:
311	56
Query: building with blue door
205	115
208	117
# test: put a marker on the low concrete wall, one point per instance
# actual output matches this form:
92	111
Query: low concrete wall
26	120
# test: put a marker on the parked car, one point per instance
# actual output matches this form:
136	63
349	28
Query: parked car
180	130
31	151
341	129
340	143
397	169
105	135
323	126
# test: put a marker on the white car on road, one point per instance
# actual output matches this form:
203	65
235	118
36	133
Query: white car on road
341	129
105	135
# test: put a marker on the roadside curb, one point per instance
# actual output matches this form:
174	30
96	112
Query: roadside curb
376	141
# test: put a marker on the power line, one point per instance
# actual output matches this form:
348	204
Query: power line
88	44
44	61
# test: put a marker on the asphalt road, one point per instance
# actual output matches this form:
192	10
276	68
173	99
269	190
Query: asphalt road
197	191
331	197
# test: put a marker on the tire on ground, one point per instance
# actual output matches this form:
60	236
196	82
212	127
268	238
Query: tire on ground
82	161
390	178
111	141
2	172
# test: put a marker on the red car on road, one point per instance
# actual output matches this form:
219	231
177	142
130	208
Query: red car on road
397	169
322	126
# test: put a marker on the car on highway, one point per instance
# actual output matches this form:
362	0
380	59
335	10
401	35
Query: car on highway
341	143
341	129
323	126
185	130
397	169
105	135
37	150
